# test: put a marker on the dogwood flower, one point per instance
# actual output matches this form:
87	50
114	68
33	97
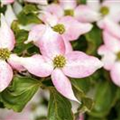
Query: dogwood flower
5	2
107	9
70	8
7	42
58	63
67	27
110	53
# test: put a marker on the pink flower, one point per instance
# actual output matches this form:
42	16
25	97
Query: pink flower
41	2
67	27
5	2
82	13
58	63
110	52
96	11
7	42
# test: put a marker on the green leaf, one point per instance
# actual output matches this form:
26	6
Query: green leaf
104	99
19	93
94	38
59	107
28	15
81	86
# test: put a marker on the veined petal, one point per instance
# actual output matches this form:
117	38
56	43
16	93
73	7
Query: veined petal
68	4
73	28
86	14
111	42
62	84
51	44
36	33
80	65
7	39
6	75
37	65
115	73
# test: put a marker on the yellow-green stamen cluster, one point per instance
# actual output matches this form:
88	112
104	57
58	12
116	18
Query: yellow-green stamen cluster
118	56
59	28
59	61
4	53
69	12
104	10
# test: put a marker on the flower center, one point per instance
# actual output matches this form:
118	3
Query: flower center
69	12
60	28
104	10
4	53
118	56
59	61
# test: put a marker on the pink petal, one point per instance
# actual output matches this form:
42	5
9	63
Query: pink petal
74	28
110	26
36	33
48	18
37	65
5	2
62	84
6	75
7	39
13	61
87	14
94	4
115	74
10	15
80	65
111	42
42	2
55	9
114	7
68	4
51	43
108	57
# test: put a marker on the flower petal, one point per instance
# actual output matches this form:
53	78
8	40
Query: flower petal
115	74
37	65
42	2
74	28
111	42
55	9
13	61
6	75
10	15
110	26
5	2
68	4
80	65
51	43
87	14
36	33
62	84
7	39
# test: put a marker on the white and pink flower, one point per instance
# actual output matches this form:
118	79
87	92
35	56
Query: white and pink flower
110	53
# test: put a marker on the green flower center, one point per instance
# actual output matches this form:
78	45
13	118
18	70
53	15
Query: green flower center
118	56
59	61
4	53
69	12
60	28
104	10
